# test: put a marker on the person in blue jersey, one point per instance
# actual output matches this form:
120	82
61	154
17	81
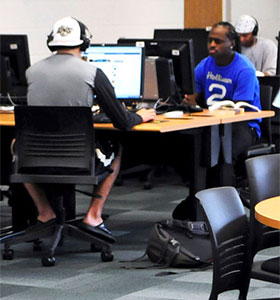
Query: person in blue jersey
225	75
228	75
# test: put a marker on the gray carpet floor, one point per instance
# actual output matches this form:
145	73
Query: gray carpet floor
80	274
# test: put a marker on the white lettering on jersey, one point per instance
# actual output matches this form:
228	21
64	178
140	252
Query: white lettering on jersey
218	77
217	96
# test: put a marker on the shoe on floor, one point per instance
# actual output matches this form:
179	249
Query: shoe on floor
100	231
41	224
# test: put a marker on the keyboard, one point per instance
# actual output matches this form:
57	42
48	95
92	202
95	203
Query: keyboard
101	118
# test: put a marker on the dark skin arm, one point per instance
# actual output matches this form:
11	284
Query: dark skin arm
194	99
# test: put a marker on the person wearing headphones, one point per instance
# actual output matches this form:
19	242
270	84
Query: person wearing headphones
262	52
65	79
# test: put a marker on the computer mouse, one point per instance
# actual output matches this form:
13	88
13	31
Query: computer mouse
194	108
174	114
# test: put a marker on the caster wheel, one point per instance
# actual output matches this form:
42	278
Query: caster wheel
48	261
107	256
8	254
95	248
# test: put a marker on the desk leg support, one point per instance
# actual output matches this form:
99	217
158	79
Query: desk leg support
226	169
206	151
188	209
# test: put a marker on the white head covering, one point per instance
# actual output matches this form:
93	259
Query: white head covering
66	32
245	24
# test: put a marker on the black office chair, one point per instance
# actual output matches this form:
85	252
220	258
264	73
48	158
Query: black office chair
55	146
262	147
264	182
229	230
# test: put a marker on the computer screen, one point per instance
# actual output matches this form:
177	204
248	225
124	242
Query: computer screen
15	60
123	65
181	53
198	35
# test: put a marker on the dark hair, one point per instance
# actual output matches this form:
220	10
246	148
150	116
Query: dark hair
231	34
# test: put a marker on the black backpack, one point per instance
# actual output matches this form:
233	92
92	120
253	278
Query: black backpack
176	243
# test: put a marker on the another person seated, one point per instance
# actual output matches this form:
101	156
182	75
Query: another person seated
225	75
262	52
64	79
228	75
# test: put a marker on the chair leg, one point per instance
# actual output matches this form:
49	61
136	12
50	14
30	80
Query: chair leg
213	296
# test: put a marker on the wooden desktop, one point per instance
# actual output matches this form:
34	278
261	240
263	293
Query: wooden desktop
165	124
268	212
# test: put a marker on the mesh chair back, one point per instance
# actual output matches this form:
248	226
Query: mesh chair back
54	140
228	227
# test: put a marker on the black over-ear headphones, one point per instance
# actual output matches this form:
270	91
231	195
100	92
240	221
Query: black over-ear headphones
49	39
256	28
85	37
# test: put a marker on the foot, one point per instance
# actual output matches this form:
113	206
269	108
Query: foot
41	224
44	218
100	231
50	221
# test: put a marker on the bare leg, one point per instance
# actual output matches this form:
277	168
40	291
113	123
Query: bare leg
41	202
93	216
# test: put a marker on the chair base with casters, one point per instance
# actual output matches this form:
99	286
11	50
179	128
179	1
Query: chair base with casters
145	173
260	274
56	231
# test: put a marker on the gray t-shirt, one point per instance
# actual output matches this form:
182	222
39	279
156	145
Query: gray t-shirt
263	55
67	80
61	80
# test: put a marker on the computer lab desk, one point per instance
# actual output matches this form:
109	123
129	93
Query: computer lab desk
211	140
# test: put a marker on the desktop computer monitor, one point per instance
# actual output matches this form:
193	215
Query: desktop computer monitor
124	67
15	60
179	51
198	35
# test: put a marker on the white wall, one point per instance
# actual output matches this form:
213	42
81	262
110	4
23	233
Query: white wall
110	19
107	19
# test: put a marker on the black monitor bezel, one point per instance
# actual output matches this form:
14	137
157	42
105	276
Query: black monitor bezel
14	47
198	35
